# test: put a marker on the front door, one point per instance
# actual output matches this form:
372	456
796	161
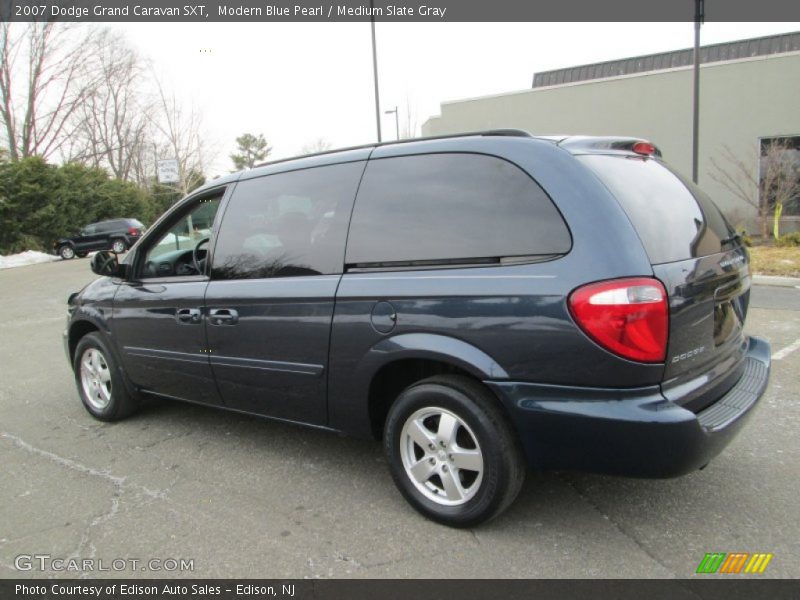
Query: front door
276	266
158	312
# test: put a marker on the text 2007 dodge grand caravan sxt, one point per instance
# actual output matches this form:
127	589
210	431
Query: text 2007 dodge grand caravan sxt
479	301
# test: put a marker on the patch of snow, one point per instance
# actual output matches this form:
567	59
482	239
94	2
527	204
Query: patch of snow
29	257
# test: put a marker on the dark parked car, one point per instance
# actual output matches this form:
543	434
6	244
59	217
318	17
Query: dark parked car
115	234
481	303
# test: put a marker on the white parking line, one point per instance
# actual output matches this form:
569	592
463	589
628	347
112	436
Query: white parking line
784	352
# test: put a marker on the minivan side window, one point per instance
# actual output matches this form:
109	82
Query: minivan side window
451	208
287	224
172	253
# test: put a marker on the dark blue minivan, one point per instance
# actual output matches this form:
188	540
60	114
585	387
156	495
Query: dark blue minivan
483	303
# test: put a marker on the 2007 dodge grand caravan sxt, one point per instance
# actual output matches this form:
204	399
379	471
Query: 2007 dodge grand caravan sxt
482	303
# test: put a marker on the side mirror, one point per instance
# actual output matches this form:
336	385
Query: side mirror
105	263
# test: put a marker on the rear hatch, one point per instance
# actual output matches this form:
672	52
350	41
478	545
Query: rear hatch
704	268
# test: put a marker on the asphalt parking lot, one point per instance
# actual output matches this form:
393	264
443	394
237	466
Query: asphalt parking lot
246	497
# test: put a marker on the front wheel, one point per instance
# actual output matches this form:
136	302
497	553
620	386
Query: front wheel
100	382
66	252
452	452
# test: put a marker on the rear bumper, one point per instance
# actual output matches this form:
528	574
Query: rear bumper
634	432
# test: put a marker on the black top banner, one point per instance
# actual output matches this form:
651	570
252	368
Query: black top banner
395	10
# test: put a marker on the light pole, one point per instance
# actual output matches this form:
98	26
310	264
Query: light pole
375	69
396	121
699	16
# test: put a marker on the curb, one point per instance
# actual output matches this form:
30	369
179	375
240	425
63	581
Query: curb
774	280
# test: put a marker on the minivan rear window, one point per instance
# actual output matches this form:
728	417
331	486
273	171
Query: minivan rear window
674	218
451	208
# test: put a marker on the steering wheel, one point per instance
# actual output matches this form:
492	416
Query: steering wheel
199	264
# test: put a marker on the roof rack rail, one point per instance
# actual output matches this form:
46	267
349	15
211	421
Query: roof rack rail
486	133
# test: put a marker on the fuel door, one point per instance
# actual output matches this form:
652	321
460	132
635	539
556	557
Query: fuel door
384	317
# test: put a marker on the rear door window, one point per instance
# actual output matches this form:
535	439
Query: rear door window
109	226
451	208
674	218
287	224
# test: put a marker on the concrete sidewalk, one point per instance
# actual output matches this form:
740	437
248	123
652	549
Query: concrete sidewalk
775	280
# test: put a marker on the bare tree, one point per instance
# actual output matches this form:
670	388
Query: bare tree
113	120
780	177
410	122
43	81
181	136
320	144
775	183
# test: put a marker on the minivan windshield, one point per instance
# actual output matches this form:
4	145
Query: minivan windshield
674	218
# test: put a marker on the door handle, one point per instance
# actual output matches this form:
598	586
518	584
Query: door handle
223	316
188	315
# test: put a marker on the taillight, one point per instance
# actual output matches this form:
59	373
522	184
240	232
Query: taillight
625	316
133	231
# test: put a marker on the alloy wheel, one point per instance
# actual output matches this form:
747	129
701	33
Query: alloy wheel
96	378
441	456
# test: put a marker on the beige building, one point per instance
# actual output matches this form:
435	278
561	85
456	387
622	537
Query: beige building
749	94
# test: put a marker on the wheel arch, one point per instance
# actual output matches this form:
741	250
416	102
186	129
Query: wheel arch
88	319
400	361
91	323
77	330
66	244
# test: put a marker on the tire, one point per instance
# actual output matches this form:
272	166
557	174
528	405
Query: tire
119	246
464	477
100	382
66	252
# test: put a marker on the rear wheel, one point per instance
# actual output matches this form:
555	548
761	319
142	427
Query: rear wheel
119	246
452	452
100	381
66	252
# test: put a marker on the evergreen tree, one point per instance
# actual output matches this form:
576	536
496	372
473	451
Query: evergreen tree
252	150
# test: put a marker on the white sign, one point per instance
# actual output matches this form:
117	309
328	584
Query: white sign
168	171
